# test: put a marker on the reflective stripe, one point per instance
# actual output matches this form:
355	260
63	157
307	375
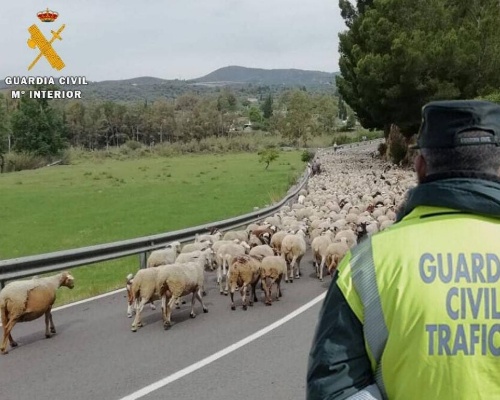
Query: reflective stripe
365	284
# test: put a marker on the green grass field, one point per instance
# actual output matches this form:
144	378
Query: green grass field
90	202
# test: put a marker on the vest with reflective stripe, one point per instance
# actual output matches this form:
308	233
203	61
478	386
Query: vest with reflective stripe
427	291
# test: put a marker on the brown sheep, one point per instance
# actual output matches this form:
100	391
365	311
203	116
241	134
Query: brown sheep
244	271
27	300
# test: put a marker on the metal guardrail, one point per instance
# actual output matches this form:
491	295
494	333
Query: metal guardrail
23	267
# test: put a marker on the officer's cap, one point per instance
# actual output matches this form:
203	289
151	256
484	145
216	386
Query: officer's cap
443	121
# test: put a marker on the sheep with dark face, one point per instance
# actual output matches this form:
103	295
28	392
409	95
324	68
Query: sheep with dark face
27	300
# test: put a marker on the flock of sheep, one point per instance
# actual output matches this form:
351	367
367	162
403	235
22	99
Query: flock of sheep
354	196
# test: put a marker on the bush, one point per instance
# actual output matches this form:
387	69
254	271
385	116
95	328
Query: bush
307	155
20	161
133	145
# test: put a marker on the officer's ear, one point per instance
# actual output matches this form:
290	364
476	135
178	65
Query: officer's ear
420	167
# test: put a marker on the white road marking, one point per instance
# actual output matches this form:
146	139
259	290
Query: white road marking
214	357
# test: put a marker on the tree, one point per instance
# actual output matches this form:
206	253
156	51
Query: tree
267	107
254	114
398	55
298	123
268	155
37	128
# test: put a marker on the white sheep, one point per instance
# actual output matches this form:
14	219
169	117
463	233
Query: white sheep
143	291
27	300
207	255
259	252
240	235
293	248
319	247
164	256
272	269
276	241
188	248
208	238
177	280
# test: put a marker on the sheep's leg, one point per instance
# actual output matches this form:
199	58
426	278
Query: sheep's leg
139	305
266	290
321	267
167	324
193	299
278	287
296	265
286	269
243	293
253	295
219	278
52	326
6	336
292	269
47	323
152	305
199	294
226	274
130	310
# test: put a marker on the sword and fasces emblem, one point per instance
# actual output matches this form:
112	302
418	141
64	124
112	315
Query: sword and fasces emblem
38	40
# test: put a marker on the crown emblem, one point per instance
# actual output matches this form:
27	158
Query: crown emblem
47	15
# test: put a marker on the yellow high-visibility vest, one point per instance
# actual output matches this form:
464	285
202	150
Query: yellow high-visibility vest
427	291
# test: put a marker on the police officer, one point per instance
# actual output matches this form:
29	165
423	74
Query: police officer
414	311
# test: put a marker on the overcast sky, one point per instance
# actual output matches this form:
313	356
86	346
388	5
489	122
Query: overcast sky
184	39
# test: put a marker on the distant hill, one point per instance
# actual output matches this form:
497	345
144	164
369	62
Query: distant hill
246	81
236	74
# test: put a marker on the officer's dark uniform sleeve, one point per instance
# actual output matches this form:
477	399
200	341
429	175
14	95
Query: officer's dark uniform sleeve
338	364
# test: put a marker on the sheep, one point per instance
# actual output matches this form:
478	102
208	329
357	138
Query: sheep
259	252
188	248
335	253
264	234
351	237
224	256
319	247
207	255
241	235
143	291
27	300
208	238
254	241
164	256
272	268
293	248
244	271
177	280
276	240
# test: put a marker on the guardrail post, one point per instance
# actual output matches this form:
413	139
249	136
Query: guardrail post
142	260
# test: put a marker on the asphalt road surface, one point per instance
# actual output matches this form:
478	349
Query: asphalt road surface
95	355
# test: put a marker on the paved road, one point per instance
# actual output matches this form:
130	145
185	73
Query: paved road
95	355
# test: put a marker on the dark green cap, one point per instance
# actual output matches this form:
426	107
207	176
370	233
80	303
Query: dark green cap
443	121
